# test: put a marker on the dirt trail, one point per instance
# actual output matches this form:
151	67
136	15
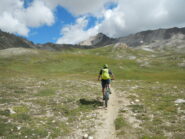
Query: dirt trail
107	129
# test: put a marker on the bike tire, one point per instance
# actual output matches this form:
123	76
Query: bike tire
106	102
106	98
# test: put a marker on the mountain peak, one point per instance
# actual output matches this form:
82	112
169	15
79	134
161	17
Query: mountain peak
101	34
98	40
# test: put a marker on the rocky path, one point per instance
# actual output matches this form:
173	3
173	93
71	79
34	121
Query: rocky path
107	129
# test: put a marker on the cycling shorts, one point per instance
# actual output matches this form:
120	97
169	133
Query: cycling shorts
104	82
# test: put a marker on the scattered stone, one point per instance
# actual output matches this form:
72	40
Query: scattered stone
134	87
180	101
93	115
42	122
132	57
18	128
147	49
119	46
182	64
145	64
11	111
180	111
85	136
90	137
175	87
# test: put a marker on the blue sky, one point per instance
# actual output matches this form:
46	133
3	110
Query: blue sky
63	17
69	21
46	33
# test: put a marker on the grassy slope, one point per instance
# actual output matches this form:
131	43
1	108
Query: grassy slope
49	88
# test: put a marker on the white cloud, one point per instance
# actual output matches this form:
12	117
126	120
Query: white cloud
14	18
130	16
151	14
11	24
10	5
80	7
38	14
73	34
113	24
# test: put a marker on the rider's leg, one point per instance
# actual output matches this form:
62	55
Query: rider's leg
109	86
103	91
103	87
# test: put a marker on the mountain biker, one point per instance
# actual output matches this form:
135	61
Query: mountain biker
105	75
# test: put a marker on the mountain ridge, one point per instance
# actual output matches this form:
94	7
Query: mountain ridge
148	37
8	40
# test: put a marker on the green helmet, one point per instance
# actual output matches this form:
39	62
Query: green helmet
105	66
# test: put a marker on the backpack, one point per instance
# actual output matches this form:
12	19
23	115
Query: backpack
105	74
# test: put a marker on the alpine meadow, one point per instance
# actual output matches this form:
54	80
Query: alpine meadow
92	69
51	94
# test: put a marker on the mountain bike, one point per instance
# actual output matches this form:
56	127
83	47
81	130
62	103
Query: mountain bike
106	95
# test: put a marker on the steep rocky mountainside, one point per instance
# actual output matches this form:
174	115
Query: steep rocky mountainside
172	38
98	40
152	36
8	40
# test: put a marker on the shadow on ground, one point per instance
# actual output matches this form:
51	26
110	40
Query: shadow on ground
92	102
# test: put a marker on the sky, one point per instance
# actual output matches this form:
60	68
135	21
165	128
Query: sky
72	21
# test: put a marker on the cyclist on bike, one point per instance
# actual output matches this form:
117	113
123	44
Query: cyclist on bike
105	75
